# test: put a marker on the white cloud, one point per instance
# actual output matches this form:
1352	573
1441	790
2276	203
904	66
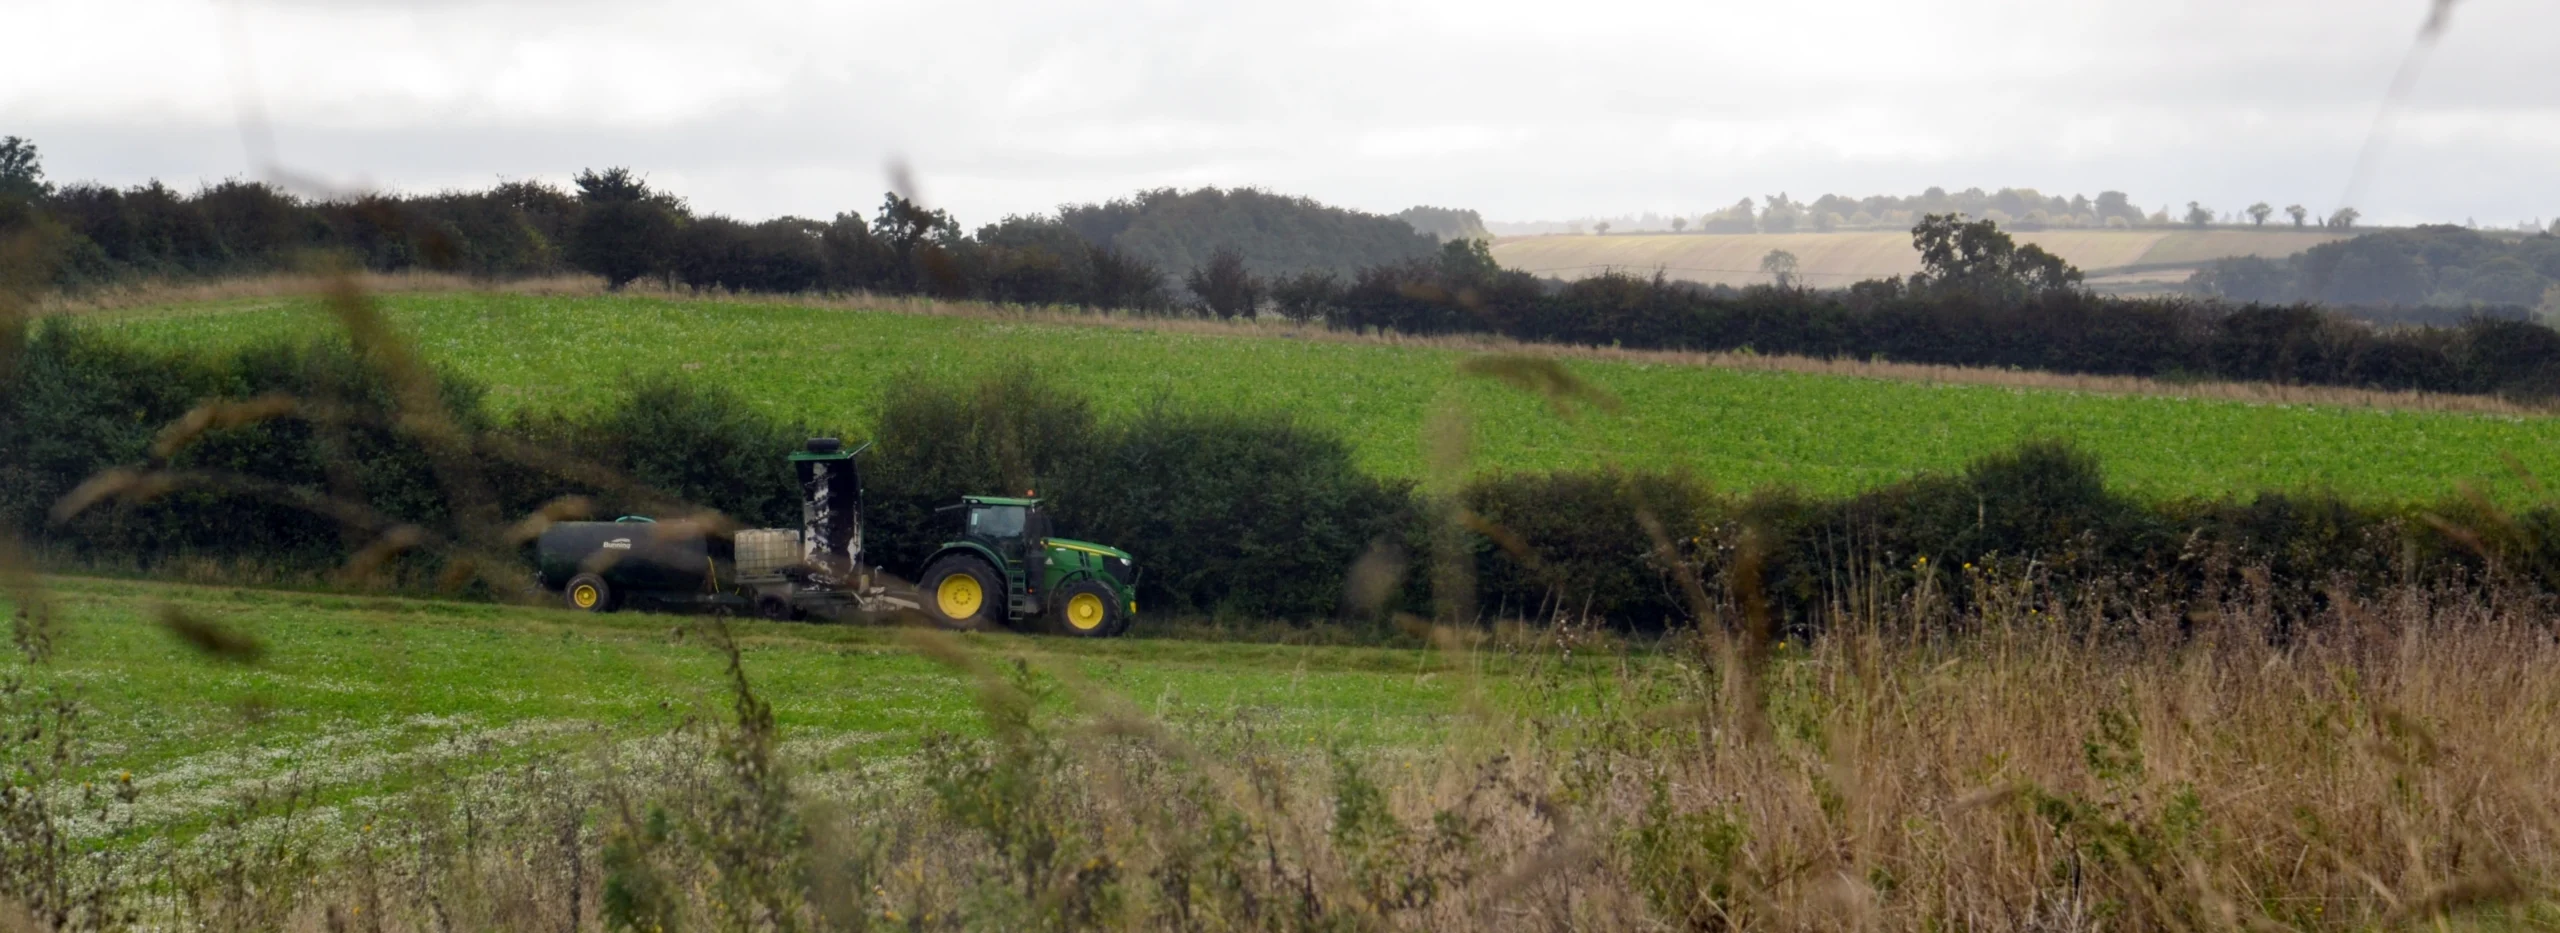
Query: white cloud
1519	109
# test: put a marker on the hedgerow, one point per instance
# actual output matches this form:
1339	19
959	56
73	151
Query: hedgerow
1248	516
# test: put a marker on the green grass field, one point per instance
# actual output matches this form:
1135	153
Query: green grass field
361	696
1841	257
1825	434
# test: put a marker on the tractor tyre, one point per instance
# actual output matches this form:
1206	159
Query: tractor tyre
588	592
962	592
1087	609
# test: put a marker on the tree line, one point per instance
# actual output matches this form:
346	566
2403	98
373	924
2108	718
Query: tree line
1981	299
2442	266
1128	253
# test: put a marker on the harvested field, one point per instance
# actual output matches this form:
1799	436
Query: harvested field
1839	258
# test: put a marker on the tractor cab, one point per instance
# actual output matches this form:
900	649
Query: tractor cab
1007	566
1011	526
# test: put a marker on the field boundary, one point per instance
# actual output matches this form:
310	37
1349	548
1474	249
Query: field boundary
161	295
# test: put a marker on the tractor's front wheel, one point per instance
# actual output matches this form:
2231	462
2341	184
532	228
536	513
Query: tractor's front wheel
963	592
1088	609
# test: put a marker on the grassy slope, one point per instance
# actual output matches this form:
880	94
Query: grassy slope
361	696
1840	258
1741	429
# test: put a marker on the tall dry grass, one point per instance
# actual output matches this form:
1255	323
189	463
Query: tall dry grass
2388	771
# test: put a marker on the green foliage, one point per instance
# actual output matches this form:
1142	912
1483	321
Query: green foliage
1251	516
1686	862
625	231
695	444
1275	234
1445	223
1978	262
2440	266
1223	285
1306	296
21	170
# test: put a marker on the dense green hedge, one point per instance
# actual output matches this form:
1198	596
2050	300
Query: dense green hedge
2041	510
1245	516
1242	515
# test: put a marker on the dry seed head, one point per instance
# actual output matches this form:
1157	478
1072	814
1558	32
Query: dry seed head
392	543
218	414
130	484
1544	375
209	638
1373	578
563	509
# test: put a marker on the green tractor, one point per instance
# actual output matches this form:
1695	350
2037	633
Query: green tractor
1006	568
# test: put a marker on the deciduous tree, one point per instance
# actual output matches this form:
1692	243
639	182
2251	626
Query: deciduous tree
1223	285
625	230
21	170
1780	265
1976	260
2259	212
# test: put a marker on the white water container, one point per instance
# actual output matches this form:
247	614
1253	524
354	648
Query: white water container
766	552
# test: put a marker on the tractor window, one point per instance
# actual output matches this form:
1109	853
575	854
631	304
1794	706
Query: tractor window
996	521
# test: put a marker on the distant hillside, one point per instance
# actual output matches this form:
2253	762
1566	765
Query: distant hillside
1277	234
2145	259
1446	223
2011	208
2443	266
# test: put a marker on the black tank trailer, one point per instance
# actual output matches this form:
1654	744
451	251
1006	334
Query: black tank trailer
778	573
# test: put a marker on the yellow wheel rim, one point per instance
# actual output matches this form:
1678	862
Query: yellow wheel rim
959	596
1085	612
584	596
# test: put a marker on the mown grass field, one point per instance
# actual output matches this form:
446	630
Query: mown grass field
1740	429
359	697
1841	257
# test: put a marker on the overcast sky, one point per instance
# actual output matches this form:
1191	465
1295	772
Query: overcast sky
1520	110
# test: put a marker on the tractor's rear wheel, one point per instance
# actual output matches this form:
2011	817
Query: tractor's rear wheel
1088	609
963	592
588	592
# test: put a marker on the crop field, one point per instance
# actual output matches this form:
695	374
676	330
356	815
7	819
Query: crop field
358	697
1740	429
1839	258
